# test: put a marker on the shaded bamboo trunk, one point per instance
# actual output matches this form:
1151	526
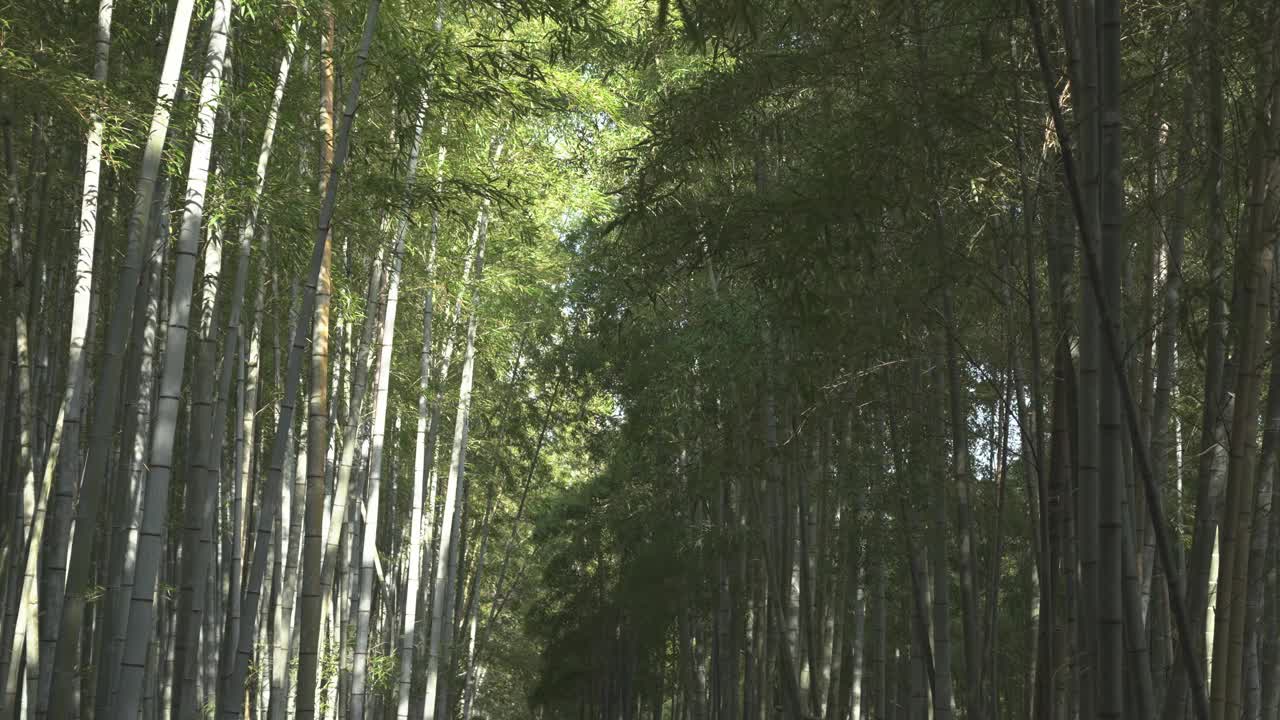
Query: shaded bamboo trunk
1111	675
291	509
963	479
1089	445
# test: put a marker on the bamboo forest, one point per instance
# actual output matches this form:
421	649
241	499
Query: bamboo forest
640	359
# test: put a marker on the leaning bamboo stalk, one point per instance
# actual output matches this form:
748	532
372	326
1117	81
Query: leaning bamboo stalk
234	341
232	692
